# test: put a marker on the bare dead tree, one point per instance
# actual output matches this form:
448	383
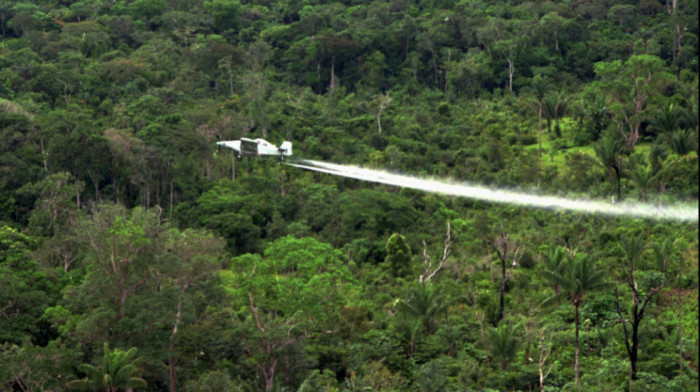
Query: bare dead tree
677	47
545	349
507	253
428	271
638	308
9	310
385	100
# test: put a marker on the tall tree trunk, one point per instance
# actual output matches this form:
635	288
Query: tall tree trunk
635	340
679	36
171	346
638	308
269	375
171	366
544	354
447	70
171	200
504	280
619	184
332	85
680	325
432	54
576	345
43	152
511	71
122	301
233	166
539	128
77	197
541	377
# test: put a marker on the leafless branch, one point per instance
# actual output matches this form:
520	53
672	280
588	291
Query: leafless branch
513	264
10	305
622	320
447	248
255	313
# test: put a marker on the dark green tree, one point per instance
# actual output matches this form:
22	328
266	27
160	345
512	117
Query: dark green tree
609	153
398	254
24	288
426	303
681	141
629	88
668	119
503	343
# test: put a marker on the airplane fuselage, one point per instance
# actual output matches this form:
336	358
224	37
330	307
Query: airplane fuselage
257	147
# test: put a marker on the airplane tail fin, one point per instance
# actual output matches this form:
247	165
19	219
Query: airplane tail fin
286	148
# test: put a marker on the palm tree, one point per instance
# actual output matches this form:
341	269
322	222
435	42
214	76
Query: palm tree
657	155
578	277
119	371
680	141
668	119
549	110
609	154
560	108
556	146
554	262
663	252
431	377
503	343
597	112
427	302
538	88
642	175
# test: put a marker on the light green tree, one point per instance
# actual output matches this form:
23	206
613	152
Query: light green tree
295	291
190	257
120	246
119	371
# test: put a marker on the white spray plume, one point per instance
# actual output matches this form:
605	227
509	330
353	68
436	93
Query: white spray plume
677	212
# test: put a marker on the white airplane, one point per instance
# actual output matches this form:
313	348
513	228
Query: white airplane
258	147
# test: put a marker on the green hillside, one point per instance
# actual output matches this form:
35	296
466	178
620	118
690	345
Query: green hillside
136	254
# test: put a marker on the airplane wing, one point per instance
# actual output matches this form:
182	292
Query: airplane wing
232	144
249	147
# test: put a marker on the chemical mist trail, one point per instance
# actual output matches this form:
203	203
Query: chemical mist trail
678	212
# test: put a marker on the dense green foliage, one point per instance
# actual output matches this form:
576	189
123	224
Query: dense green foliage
122	224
